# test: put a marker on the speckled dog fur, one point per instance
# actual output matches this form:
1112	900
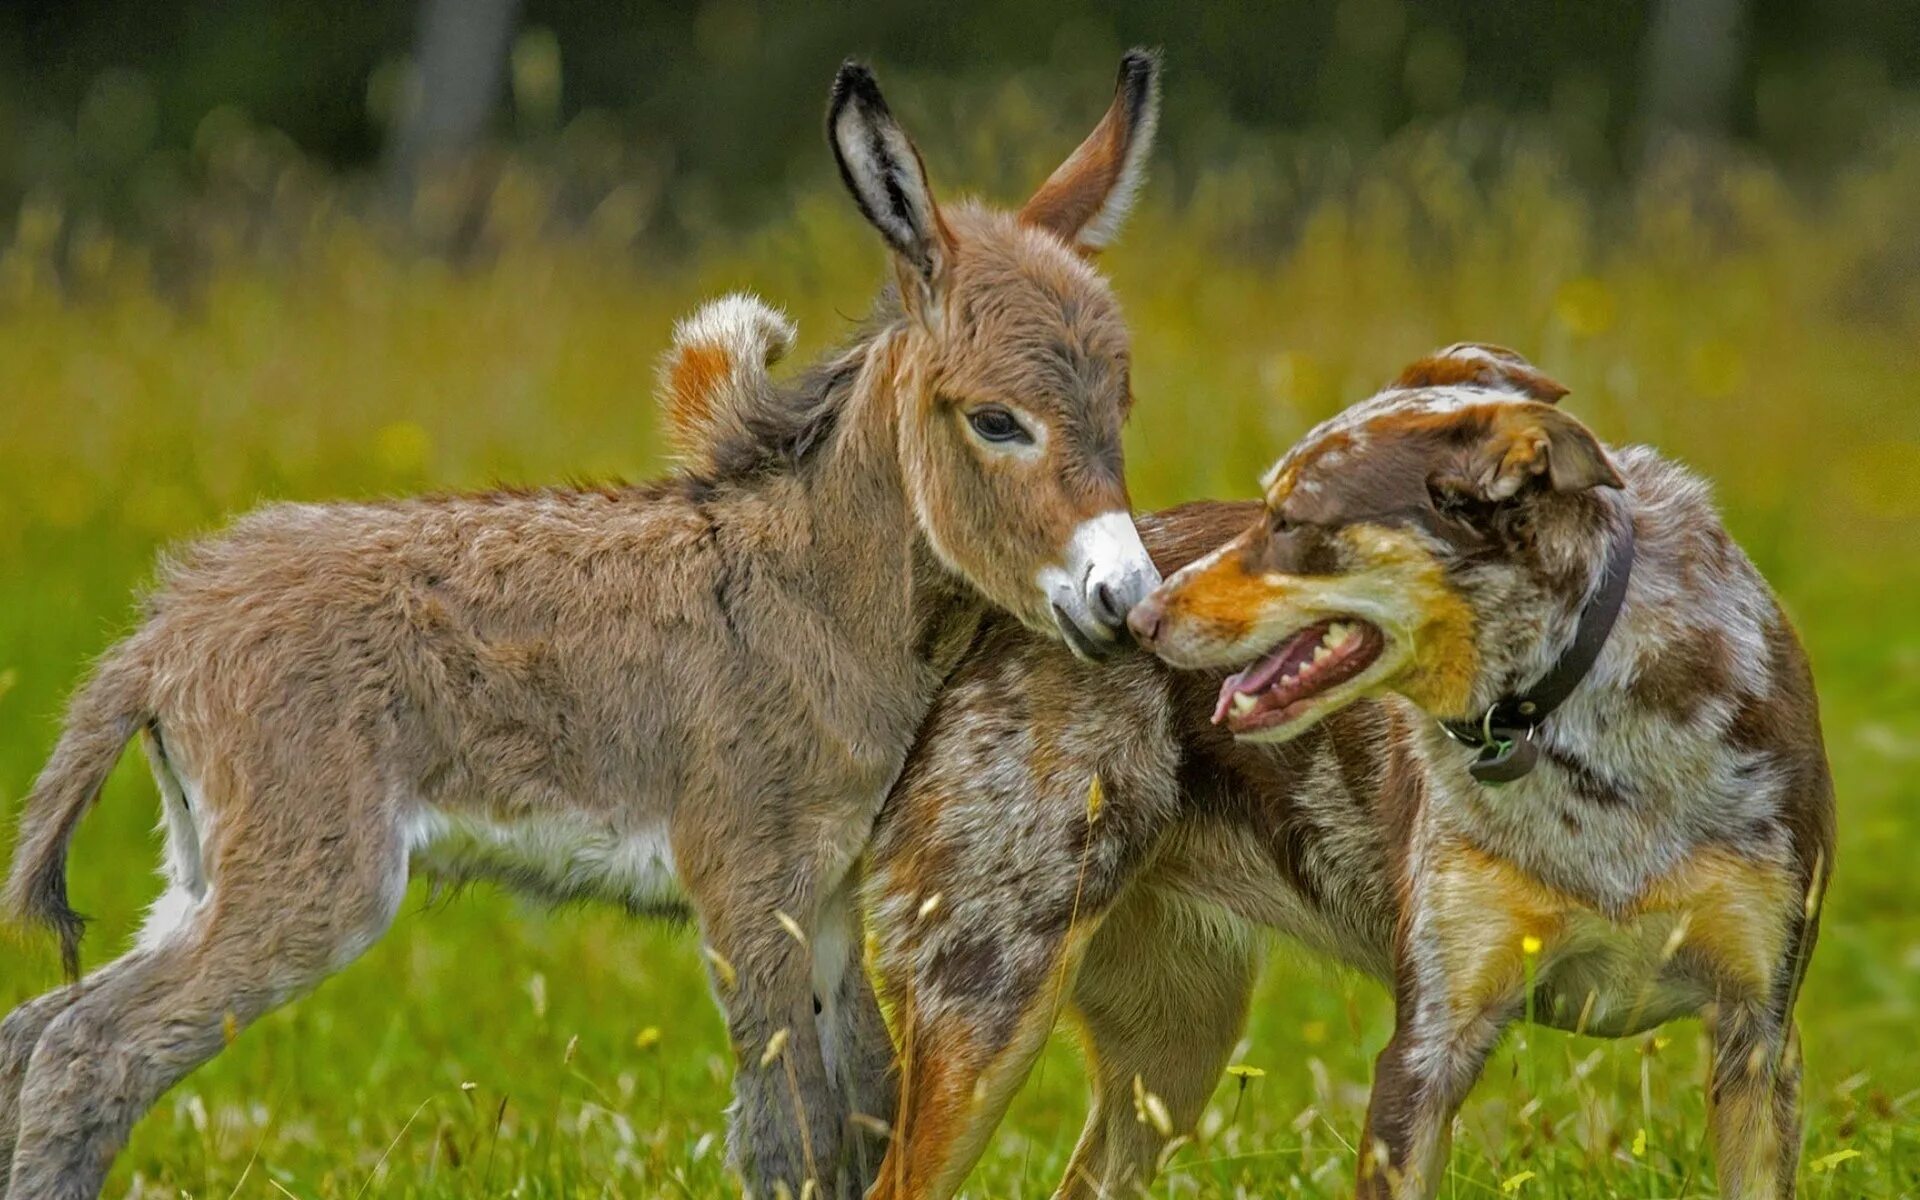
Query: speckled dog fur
692	695
1667	856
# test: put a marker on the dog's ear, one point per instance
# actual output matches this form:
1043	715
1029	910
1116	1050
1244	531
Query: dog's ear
1475	364
1087	197
1524	441
882	169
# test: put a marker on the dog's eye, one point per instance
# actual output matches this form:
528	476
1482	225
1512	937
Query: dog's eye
995	424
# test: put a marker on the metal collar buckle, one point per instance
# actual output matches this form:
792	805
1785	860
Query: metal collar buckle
1504	733
1506	754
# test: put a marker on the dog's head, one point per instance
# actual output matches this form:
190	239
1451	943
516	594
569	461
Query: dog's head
1406	545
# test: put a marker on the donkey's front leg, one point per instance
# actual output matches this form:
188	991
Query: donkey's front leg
853	1037
758	915
785	1123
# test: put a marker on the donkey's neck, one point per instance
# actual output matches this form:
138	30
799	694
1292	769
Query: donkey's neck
871	568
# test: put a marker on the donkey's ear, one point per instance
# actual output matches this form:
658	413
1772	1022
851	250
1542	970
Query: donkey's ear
1531	440
1087	198
1476	364
883	171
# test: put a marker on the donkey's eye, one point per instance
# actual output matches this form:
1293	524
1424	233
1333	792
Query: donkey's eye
996	424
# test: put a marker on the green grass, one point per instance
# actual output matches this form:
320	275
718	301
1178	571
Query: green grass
486	1047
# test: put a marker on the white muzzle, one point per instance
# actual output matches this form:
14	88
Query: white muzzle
1104	573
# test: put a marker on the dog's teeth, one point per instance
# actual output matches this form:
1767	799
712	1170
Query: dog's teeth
1322	653
1242	704
1338	633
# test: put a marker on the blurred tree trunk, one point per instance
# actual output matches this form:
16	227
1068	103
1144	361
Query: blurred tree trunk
459	64
1692	60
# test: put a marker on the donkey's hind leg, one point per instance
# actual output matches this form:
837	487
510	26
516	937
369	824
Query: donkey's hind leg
19	1034
279	919
21	1031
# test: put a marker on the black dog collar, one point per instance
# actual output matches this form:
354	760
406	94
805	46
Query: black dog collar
1504	733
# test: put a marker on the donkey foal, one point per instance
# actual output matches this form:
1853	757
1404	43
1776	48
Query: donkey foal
690	695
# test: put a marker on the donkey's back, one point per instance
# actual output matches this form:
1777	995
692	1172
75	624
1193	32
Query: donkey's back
400	624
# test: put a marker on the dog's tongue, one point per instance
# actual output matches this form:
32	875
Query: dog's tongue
1260	676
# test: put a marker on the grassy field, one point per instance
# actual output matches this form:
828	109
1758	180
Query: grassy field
486	1047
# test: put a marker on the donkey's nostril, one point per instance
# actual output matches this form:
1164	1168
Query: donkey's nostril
1107	608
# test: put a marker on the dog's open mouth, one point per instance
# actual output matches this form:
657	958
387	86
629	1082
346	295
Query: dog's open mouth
1282	685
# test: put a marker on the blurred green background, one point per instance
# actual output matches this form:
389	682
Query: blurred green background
253	250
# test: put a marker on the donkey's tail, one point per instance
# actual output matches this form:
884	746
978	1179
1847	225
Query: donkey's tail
105	713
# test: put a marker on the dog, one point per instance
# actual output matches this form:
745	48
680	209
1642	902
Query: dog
1505	706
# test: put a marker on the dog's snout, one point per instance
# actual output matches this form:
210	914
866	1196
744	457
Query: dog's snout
1146	620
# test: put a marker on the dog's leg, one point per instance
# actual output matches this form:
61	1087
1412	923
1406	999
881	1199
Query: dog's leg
987	880
1418	1085
966	1045
1786	1113
976	965
1754	973
1163	996
1419	1082
1753	1101
1460	979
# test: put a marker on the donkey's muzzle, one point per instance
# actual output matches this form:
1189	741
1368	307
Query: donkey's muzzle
1105	573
